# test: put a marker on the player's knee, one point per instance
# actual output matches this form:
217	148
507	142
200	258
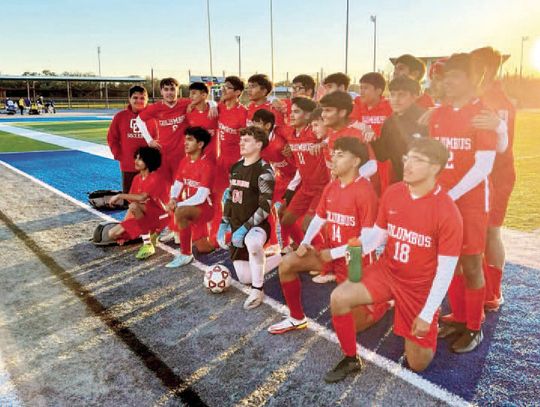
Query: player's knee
338	301
418	364
286	265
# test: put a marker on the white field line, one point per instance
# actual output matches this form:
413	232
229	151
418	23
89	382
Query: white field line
8	392
67	142
378	360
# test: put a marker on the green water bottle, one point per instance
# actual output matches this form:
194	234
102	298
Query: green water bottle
354	259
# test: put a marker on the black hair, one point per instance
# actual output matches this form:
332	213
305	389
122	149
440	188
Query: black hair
257	133
168	82
340	100
265	116
137	89
263	81
375	79
413	63
316	114
200	134
306	81
406	84
339	78
236	82
150	156
200	86
354	146
305	104
432	149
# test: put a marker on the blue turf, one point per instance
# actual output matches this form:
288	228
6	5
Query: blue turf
505	370
25	119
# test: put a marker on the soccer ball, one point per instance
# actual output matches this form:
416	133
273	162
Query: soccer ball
217	278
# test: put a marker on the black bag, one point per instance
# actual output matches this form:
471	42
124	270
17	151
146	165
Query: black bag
101	234
100	199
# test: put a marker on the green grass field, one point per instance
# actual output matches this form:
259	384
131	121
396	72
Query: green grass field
523	211
10	143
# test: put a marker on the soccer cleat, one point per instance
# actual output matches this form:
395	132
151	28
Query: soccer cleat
349	364
493	306
447	329
154	238
145	251
180	260
288	324
324	278
468	341
254	299
169	236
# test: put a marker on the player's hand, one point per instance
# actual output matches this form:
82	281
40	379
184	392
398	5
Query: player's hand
237	238
222	231
486	120
326	257
171	206
420	328
286	151
154	144
212	109
303	249
113	200
426	117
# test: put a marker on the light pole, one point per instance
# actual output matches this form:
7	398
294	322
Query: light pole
209	37
523	39
272	39
347	39
99	71
374	21
239	56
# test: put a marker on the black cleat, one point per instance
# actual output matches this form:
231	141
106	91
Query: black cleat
447	329
349	364
468	341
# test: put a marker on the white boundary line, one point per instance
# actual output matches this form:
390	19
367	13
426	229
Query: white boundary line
378	360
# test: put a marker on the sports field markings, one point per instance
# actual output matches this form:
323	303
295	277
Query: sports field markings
378	360
66	142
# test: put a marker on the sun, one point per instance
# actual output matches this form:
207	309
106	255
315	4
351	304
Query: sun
535	54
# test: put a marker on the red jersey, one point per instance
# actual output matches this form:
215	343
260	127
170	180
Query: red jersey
495	99
312	167
252	108
454	129
273	153
230	121
347	209
347	131
372	116
194	175
152	185
201	119
419	230
171	122
425	100
124	137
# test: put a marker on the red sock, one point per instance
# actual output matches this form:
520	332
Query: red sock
293	297
456	298
493	276
474	302
346	332
294	231
185	240
273	234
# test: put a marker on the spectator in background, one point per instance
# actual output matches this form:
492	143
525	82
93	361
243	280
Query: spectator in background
20	104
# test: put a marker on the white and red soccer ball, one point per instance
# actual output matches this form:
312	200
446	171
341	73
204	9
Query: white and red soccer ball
217	278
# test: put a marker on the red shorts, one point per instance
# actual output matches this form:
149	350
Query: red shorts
305	200
199	228
170	160
501	196
149	223
409	302
475	223
282	182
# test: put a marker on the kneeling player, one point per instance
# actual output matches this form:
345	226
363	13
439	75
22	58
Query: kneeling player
247	204
423	231
145	215
190	194
348	204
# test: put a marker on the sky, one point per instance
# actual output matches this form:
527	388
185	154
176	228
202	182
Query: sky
309	35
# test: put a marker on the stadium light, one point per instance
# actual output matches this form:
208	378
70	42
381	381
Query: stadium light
523	39
347	39
209	37
238	39
374	21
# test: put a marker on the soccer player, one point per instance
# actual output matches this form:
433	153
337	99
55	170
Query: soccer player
402	127
302	85
472	153
247	205
503	175
312	172
124	137
423	232
258	88
347	205
198	115
336	82
190	195
145	216
414	68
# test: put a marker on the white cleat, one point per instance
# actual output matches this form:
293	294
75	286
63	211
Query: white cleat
288	324
254	299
